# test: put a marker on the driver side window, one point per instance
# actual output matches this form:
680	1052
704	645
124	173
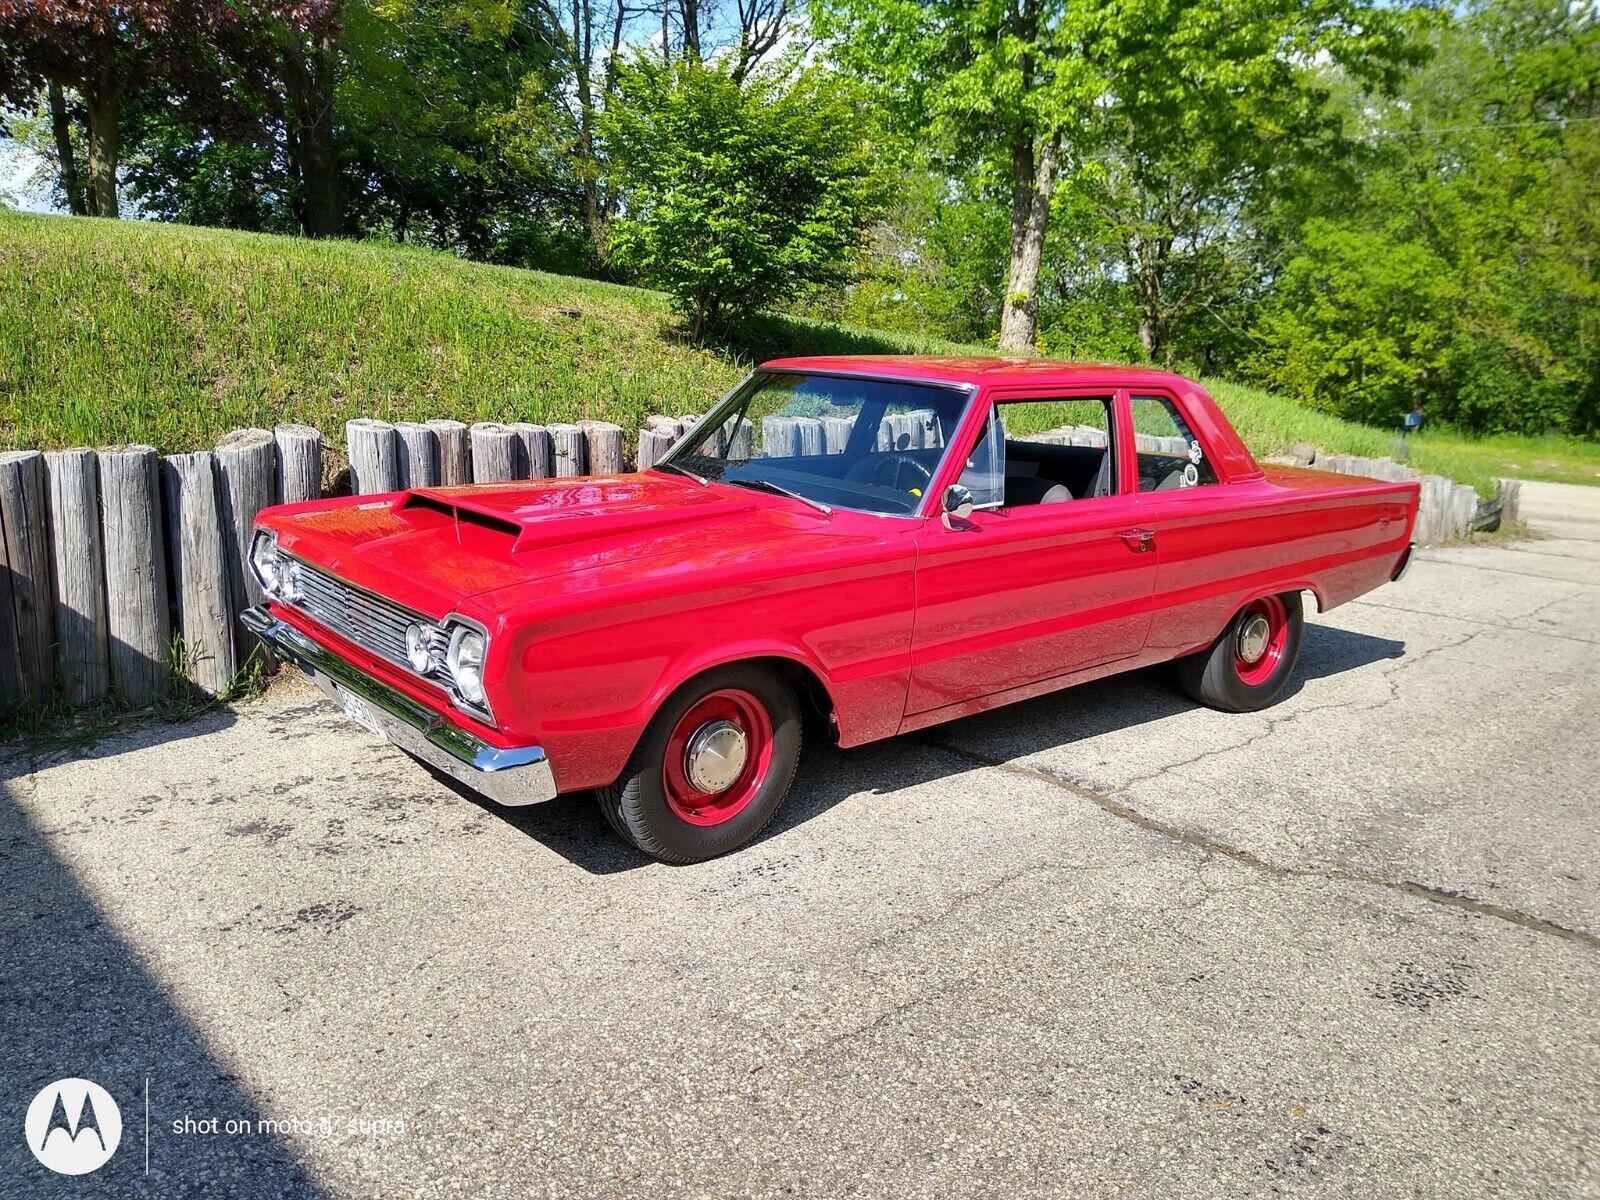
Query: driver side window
1045	452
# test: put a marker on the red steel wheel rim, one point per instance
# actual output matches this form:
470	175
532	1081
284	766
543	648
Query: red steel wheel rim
696	805
1271	610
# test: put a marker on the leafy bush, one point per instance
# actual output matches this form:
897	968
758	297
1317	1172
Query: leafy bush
1358	325
735	198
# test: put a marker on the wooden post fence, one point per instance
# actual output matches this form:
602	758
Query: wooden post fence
455	459
200	569
419	455
495	450
299	462
78	574
28	611
137	624
247	469
374	451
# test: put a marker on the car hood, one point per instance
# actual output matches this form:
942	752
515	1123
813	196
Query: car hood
432	548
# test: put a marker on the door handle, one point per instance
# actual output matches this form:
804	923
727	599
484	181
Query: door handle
1140	541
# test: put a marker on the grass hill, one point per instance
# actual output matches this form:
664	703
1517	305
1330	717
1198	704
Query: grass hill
121	331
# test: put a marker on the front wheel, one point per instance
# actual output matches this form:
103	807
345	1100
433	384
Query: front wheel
1248	667
713	766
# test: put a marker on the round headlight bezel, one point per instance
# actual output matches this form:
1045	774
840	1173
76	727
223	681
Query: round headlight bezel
267	563
465	662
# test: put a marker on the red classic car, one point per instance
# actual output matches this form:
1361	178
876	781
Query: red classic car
884	542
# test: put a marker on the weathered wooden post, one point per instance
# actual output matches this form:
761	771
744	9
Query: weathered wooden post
455	459
603	446
200	569
419	455
836	433
246	463
653	446
299	463
810	430
780	437
494	452
374	451
571	451
536	457
136	573
78	575
739	442
28	620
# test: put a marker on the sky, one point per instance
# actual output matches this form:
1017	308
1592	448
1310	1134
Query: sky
17	168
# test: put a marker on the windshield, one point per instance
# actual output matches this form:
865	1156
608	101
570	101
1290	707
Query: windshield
867	444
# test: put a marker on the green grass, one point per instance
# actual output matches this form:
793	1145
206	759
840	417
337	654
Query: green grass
114	332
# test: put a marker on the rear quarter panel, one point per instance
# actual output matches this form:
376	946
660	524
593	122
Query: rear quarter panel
1219	547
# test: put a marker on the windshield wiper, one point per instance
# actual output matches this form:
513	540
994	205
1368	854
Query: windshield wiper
682	470
766	485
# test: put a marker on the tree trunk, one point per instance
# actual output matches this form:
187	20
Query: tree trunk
589	170
104	104
1033	180
689	13
308	80
1155	333
61	127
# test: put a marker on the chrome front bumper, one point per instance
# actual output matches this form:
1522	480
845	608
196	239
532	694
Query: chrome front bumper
519	775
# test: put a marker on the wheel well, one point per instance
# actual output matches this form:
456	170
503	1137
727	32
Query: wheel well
815	702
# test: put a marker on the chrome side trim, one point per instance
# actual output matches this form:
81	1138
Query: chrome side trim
513	776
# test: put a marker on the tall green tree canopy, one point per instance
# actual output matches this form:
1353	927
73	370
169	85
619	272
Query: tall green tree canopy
1485	167
734	197
1162	111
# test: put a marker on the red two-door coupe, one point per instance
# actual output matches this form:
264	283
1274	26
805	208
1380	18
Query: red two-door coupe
875	539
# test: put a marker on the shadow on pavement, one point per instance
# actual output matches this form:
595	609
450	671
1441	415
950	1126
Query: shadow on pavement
76	1001
572	826
119	734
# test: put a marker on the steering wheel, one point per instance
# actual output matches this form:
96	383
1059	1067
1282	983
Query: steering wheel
891	470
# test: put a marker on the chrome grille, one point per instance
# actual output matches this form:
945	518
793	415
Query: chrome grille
369	621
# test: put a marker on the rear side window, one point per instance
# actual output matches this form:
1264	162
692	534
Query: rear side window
1170	456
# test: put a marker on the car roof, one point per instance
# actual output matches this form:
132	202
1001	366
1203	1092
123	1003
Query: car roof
975	369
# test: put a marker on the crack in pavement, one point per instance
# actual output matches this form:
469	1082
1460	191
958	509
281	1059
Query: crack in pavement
1472	566
1200	841
1274	723
1540	633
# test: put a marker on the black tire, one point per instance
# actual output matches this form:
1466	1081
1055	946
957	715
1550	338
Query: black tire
1219	678
637	805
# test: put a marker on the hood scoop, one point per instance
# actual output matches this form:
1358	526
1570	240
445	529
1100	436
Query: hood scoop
542	513
423	502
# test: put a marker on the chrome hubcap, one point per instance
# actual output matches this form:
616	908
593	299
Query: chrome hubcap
1253	639
715	756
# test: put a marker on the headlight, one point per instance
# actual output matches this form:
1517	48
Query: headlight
267	563
465	662
419	649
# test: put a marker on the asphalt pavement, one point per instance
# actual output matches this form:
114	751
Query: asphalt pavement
1104	943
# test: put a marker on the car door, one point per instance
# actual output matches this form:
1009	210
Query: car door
1023	590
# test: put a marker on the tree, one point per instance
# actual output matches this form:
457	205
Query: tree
1162	105
1359	325
733	198
102	50
1483	168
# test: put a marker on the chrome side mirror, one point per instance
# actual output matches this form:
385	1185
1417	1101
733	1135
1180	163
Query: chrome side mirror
956	505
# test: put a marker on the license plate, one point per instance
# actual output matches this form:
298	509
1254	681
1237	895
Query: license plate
359	711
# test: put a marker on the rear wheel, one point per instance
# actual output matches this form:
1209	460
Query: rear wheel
1248	667
712	768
